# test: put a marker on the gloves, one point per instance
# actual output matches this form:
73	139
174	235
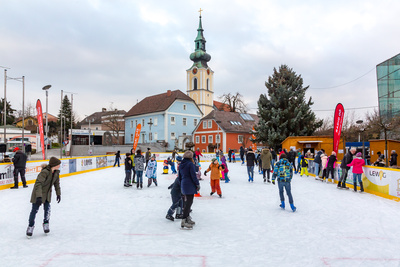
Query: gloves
273	182
39	201
58	199
205	173
198	187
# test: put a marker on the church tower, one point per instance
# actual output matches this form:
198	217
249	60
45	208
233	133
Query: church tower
200	85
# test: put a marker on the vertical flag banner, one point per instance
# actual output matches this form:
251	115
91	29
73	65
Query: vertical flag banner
337	126
40	125
253	145
137	136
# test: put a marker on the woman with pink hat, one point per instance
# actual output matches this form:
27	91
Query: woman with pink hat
357	164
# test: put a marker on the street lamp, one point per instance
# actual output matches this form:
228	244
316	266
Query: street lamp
360	122
46	88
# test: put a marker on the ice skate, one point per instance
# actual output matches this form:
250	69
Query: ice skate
190	221
282	205
293	207
170	217
185	225
29	231
46	228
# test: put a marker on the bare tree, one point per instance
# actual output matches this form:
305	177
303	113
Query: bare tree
114	121
235	102
30	111
326	127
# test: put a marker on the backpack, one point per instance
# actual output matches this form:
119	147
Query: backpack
284	170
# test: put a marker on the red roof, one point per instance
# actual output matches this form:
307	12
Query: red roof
222	106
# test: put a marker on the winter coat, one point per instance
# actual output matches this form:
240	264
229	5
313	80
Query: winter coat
19	160
266	158
274	156
151	171
292	156
117	155
44	181
250	158
128	163
241	151
187	177
139	163
303	162
331	162
148	155
324	160
317	158
347	159
393	159
176	188
357	164
283	171
215	171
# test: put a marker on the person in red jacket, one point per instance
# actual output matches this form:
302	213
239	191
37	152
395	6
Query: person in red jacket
357	164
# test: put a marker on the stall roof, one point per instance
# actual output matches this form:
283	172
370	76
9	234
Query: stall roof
310	141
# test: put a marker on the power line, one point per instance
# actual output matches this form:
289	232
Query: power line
343	83
346	108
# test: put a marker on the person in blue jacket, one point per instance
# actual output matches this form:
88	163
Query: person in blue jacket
284	173
176	196
189	185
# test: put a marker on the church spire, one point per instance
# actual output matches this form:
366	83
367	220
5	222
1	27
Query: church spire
199	56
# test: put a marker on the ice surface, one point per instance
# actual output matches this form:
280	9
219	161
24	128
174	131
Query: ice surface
101	223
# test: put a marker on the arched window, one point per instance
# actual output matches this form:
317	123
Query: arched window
208	84
195	84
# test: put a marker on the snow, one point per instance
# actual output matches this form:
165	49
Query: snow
100	223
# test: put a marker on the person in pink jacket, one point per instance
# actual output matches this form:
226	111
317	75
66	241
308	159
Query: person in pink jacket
357	164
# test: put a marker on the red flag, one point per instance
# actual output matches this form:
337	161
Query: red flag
137	136
40	125
337	126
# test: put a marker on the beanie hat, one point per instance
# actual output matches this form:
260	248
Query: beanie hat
283	156
358	154
179	158
54	162
188	154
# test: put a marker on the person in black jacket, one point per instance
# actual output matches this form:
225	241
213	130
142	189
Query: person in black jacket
128	170
292	158
117	157
347	159
19	161
317	162
274	158
393	158
251	160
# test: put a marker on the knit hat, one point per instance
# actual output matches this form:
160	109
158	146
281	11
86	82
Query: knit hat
188	154
179	158
54	162
358	154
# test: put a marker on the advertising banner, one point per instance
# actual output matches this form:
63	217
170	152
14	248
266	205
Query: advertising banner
337	126
137	136
40	125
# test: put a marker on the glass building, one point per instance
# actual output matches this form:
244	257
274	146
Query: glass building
388	74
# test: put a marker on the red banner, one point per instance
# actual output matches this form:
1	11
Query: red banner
337	126
40	125
137	136
254	145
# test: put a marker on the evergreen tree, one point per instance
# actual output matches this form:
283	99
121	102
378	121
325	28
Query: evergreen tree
285	111
66	109
10	113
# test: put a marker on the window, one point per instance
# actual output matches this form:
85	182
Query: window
203	139
183	134
136	123
143	137
155	136
210	124
132	137
218	138
204	151
210	139
184	121
30	122
172	135
172	120
208	84
97	128
195	122
143	121
204	124
184	107
131	124
195	84
155	121
240	139
150	136
197	139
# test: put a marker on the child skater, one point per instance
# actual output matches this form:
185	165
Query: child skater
215	169
176	196
233	156
357	164
324	161
330	166
304	166
128	170
151	172
139	167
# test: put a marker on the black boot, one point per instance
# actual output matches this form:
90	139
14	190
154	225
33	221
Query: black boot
339	185
344	184
355	186
361	187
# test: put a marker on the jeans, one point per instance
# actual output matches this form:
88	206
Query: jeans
344	175
316	170
357	176
272	164
139	175
250	172
116	161
177	204
35	208
288	189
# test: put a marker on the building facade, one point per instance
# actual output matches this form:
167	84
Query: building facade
164	118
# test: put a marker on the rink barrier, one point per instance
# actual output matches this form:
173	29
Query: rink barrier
379	181
72	166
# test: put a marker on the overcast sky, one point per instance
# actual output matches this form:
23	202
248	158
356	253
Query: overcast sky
117	52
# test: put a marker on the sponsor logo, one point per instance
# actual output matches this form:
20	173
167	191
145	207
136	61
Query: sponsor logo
380	174
8	174
86	162
33	169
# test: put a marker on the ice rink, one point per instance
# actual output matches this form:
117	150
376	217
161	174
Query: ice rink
101	223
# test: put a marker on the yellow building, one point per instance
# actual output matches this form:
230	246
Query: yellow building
313	143
200	85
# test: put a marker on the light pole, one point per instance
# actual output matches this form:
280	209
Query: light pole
46	88
72	104
360	122
89	120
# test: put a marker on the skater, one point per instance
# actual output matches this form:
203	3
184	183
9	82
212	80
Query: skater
317	162
189	185
41	193
128	170
174	154
357	163
230	155
215	169
304	166
177	202
284	173
292	157
19	162
250	159
233	156
298	169
266	159
224	172
259	162
347	159
274	158
151	172
133	166
242	152
324	161
393	158
139	168
147	157
117	158
198	154
330	166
